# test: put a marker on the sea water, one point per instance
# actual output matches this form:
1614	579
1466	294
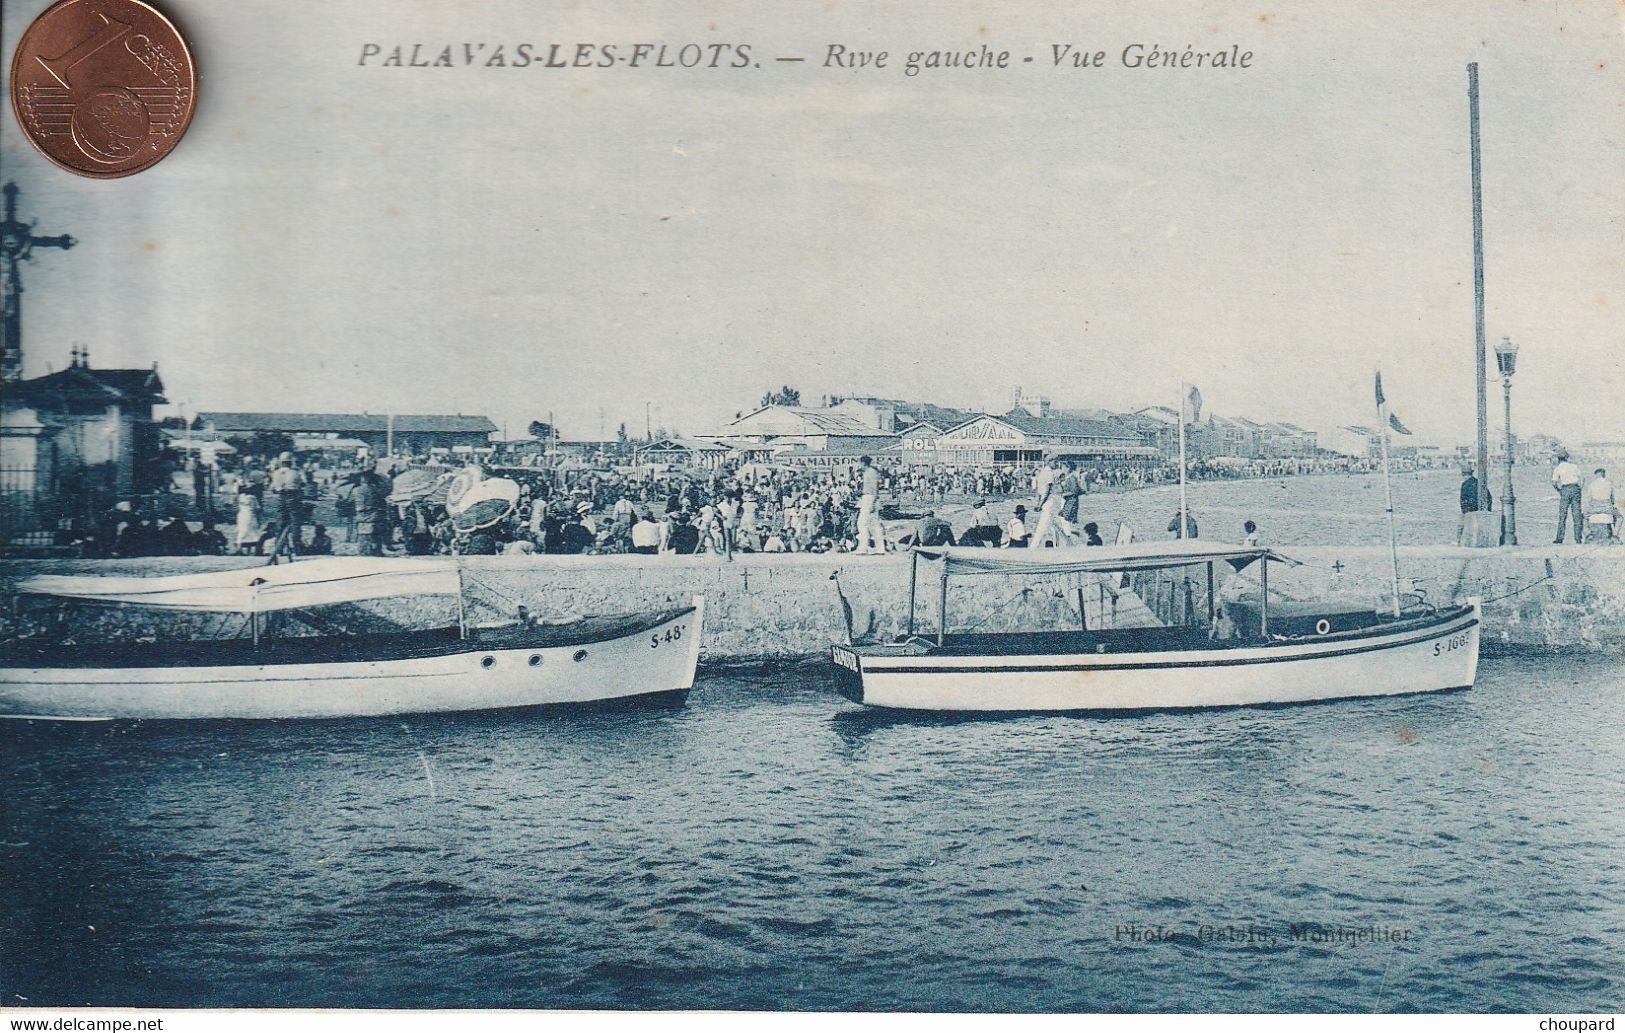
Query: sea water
770	846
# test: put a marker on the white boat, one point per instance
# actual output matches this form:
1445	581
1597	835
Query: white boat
457	667
1236	657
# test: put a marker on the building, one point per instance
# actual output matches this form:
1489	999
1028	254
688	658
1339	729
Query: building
1032	405
1018	437
1609	453
1289	439
894	416
75	441
1227	436
800	428
693	453
918	444
407	433
1354	440
1536	449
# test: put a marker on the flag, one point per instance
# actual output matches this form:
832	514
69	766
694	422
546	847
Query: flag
1191	405
1382	409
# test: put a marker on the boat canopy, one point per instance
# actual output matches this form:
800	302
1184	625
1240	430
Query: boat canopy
1110	559
288	586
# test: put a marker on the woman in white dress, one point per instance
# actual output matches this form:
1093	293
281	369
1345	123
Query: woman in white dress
249	530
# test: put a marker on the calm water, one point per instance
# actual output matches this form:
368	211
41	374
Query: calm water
772	846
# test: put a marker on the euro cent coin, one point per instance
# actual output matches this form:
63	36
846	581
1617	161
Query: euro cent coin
103	88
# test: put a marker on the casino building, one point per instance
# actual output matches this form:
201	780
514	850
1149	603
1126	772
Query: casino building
1018	438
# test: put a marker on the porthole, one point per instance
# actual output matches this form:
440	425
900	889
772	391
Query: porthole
1323	626
580	655
536	659
488	662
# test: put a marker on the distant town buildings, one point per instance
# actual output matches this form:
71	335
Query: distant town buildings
1611	452
1355	440
806	429
317	431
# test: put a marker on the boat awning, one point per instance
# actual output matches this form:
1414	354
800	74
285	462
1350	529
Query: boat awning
285	586
1111	559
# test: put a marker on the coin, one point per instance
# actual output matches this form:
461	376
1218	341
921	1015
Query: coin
103	88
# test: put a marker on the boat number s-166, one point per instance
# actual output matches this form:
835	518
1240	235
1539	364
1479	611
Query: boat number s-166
1450	644
672	635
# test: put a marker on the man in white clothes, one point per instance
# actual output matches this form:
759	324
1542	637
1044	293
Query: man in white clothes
1566	479
1047	488
871	536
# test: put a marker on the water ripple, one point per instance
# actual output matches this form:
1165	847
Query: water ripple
770	846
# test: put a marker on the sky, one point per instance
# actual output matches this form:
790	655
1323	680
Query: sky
599	244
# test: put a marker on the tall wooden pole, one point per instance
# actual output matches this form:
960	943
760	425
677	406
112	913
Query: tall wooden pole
1184	507
1483	464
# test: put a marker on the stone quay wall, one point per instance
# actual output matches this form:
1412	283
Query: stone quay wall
786	607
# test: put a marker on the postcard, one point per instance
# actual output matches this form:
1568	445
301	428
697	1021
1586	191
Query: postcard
681	505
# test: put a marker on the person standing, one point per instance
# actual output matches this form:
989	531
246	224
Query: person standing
1047	500
290	497
1072	488
372	527
1566	479
728	521
200	491
1469	502
248	518
871	535
1250	530
1473	500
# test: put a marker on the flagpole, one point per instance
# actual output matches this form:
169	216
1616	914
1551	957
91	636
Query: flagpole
1183	508
1388	486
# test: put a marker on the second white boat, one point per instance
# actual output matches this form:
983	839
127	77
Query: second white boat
1212	663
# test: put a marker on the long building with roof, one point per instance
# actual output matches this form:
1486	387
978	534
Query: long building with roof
795	427
1019	437
409	432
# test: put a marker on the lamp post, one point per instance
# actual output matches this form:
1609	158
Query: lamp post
1506	358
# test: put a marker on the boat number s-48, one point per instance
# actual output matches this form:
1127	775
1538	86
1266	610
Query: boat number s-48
672	634
1454	642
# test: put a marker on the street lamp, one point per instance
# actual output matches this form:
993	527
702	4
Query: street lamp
1506	358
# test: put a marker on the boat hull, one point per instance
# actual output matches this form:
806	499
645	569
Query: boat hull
657	660
1413	657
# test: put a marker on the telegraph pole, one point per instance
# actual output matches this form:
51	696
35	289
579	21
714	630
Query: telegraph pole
1483	464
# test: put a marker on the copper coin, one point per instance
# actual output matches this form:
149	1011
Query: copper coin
104	88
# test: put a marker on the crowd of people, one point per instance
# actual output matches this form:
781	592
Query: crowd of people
315	506
749	509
